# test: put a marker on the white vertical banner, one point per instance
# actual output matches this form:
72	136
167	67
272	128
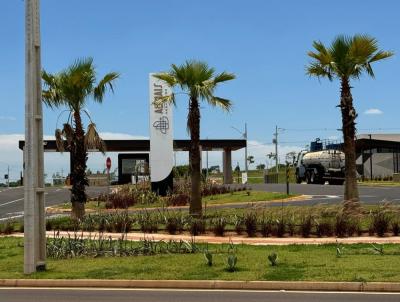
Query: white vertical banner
161	134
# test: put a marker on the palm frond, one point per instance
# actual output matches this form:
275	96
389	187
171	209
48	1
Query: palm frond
59	140
225	104
320	71
347	57
107	81
170	99
381	55
93	140
166	77
223	77
68	133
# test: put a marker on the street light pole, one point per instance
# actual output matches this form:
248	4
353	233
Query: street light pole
244	135
34	234
245	149
276	150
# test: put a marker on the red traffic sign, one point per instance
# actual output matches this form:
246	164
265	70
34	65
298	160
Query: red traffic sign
108	163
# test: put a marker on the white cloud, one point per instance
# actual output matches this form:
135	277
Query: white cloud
122	136
373	111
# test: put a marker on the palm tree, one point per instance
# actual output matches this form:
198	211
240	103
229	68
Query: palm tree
347	58
72	88
198	81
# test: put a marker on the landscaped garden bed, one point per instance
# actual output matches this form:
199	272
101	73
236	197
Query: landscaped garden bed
139	197
278	221
356	262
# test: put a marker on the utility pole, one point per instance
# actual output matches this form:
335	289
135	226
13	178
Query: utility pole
8	176
244	135
34	235
207	163
276	150
245	149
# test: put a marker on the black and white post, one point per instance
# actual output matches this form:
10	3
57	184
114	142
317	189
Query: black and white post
34	216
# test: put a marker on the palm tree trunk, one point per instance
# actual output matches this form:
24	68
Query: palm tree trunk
195	208
78	194
349	128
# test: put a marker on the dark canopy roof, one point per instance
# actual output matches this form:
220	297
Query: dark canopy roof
143	145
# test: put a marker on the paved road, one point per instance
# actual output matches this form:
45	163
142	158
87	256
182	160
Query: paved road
12	200
334	194
100	295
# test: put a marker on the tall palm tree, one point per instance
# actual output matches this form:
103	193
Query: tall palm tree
347	58
198	81
72	88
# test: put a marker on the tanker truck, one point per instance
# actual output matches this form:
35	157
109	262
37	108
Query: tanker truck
320	166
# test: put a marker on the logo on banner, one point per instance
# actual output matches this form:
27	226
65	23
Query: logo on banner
162	124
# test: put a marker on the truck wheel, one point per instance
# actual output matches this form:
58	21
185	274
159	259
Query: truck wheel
298	179
308	177
313	178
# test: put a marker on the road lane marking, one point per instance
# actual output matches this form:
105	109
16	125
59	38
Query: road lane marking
9	202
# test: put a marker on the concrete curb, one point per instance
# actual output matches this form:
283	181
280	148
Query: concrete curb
206	284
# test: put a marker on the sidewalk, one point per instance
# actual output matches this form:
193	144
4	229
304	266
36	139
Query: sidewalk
236	239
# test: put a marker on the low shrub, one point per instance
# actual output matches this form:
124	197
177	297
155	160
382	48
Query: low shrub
231	261
291	225
395	227
148	223
280	228
324	228
178	199
238	223
306	226
273	259
381	222
250	222
174	222
218	225
196	226
266	225
7	228
341	223
128	195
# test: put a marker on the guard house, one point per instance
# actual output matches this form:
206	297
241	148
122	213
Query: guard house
142	149
378	156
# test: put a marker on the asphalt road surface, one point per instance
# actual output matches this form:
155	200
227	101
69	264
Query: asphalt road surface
12	199
150	295
328	194
12	202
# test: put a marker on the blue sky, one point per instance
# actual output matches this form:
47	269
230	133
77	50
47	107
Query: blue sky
263	42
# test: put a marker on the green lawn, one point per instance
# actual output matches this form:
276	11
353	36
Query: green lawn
243	196
296	262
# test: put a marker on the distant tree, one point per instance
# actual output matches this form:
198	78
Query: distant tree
345	59
250	159
260	167
291	157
